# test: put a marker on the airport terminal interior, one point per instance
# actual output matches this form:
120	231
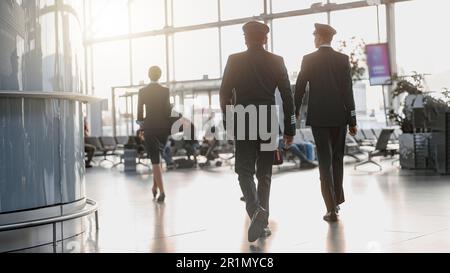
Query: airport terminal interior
75	168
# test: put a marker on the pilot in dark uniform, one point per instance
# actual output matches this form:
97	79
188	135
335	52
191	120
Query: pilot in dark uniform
331	108
251	79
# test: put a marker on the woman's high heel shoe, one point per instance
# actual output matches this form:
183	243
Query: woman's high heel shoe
161	198
155	192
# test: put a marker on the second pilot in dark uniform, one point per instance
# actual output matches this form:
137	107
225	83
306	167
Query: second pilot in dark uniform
331	108
251	79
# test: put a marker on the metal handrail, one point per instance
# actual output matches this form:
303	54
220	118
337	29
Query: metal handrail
55	220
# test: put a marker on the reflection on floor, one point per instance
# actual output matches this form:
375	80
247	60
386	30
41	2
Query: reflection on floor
392	211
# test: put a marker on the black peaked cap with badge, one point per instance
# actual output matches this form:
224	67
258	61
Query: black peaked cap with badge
325	30
255	27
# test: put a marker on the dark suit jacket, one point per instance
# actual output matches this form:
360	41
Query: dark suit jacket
252	77
156	99
331	102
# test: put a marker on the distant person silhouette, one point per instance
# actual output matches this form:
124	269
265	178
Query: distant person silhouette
156	125
251	79
331	108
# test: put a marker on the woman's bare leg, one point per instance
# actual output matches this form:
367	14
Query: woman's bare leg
155	186
157	178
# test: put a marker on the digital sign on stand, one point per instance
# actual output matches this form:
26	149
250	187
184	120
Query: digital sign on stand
379	64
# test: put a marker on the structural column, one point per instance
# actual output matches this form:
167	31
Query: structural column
390	30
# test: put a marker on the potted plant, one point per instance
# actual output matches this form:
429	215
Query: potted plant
420	111
412	86
410	89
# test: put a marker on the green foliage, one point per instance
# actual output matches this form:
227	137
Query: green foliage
355	48
446	93
405	124
413	85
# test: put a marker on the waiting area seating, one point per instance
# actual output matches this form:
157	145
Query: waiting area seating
112	148
368	143
382	148
103	149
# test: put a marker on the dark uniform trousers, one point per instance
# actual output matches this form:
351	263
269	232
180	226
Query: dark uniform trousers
331	107
330	142
251	78
249	156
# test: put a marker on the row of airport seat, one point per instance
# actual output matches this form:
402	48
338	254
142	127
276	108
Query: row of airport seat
373	142
107	146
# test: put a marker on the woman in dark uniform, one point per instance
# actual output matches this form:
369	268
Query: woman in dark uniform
156	125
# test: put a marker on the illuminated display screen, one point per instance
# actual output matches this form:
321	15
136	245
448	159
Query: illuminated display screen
379	64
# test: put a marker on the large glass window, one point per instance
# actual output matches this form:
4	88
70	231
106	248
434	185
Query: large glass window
232	42
197	54
194	55
111	67
148	52
147	15
293	39
365	28
109	18
423	41
247	8
191	12
285	5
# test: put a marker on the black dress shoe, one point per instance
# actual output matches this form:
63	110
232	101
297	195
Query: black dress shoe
331	217
259	222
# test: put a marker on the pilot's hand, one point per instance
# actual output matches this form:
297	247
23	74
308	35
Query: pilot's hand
353	130
288	140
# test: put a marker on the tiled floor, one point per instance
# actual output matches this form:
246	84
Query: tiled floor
392	211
